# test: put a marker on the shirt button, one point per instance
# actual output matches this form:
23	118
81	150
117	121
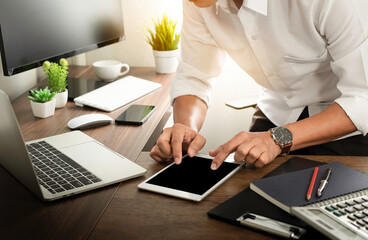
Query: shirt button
289	96
254	37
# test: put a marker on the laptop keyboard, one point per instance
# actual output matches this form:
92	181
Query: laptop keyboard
57	172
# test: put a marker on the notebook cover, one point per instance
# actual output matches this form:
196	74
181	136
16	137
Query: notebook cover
249	201
290	189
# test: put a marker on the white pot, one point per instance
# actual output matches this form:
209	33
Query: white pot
61	99
43	110
166	61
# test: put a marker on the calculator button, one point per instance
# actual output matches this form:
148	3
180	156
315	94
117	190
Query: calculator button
365	198
337	213
365	204
350	203
329	208
350	210
359	215
358	200
359	207
342	211
361	223
342	205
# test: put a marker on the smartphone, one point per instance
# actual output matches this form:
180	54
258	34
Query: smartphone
135	115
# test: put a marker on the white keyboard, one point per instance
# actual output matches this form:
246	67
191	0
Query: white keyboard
116	94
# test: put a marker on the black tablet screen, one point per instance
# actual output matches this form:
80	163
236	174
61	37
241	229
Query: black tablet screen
193	175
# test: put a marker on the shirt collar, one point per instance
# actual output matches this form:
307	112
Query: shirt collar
259	6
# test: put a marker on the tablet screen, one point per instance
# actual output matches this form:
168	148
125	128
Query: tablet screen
193	175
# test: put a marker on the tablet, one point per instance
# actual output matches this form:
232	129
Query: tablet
192	179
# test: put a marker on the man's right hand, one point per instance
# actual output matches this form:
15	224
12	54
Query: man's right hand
174	141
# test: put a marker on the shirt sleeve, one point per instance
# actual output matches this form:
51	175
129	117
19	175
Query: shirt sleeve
201	59
347	43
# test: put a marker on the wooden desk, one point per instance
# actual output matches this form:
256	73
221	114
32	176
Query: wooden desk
121	211
136	214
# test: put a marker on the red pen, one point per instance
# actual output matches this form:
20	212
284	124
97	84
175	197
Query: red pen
311	184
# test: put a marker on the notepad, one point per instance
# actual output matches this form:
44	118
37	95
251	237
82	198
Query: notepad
289	190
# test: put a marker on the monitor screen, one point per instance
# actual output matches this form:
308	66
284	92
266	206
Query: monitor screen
38	30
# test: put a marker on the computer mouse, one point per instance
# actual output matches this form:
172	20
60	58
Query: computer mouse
89	120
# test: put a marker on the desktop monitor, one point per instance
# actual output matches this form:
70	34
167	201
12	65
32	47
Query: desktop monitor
33	31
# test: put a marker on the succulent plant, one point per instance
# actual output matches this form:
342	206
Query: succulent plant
42	95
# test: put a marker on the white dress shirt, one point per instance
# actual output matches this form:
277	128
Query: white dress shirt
302	52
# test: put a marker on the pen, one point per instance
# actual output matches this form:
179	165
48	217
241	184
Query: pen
272	226
324	182
311	184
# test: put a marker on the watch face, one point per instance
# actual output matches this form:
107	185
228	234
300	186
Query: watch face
283	135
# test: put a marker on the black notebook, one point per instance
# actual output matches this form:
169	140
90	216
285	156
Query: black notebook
289	190
248	201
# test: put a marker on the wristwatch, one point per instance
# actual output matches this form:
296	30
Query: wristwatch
282	137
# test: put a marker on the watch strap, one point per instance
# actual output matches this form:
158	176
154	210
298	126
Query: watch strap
286	149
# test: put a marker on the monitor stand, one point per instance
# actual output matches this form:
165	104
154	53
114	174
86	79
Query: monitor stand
80	86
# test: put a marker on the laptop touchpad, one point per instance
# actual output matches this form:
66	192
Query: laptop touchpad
102	161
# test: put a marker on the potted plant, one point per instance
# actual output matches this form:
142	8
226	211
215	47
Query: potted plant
43	102
57	78
164	42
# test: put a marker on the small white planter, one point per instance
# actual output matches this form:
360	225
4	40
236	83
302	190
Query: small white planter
166	61
61	99
43	110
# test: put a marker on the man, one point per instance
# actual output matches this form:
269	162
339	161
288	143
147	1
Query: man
310	57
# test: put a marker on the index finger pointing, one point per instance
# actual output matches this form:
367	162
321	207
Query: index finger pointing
177	138
222	152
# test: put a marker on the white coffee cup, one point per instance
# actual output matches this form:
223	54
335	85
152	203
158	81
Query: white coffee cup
109	70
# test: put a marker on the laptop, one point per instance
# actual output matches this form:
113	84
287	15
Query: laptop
62	165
